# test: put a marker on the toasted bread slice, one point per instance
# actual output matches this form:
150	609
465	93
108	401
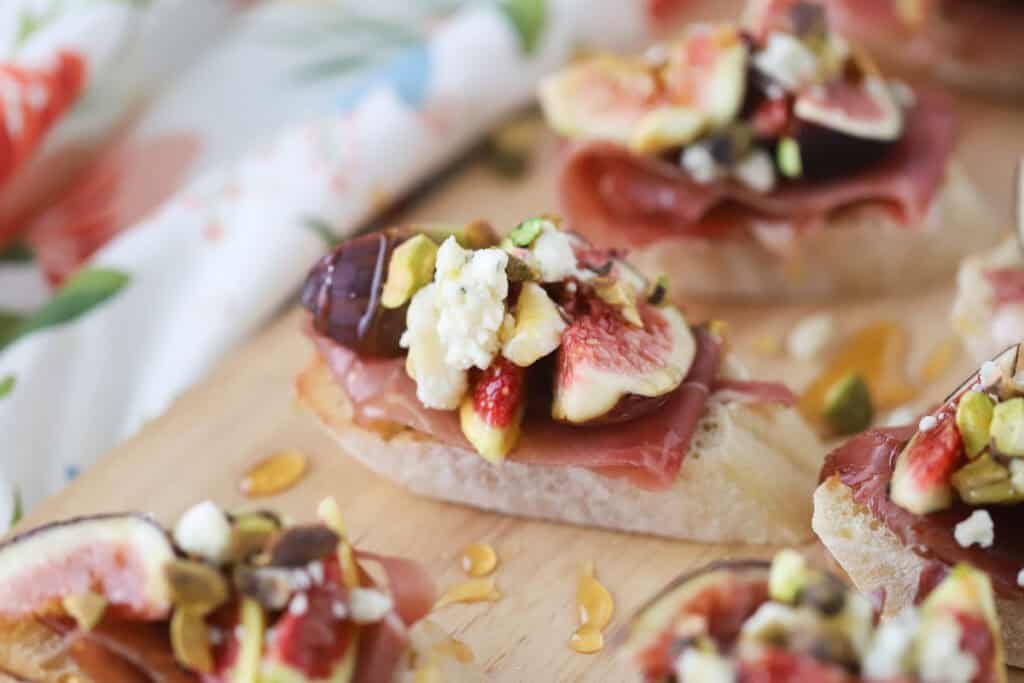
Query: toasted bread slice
748	476
875	558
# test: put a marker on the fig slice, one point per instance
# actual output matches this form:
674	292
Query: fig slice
120	557
922	478
491	415
867	110
609	370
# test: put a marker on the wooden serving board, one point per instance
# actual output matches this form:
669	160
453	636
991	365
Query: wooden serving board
245	410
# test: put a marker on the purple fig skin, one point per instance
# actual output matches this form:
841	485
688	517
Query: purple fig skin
629	407
15	540
343	293
827	154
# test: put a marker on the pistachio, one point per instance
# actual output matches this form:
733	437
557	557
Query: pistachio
521	269
478	234
788	159
659	291
526	232
848	407
253	622
85	608
272	588
251	533
196	586
1007	427
973	480
973	419
300	545
411	267
190	641
1001	492
824	594
621	295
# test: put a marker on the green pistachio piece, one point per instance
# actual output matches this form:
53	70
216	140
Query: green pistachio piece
86	609
1001	492
196	586
848	407
254	625
411	267
788	159
978	476
658	293
251	534
973	419
1007	428
789	574
526	232
190	641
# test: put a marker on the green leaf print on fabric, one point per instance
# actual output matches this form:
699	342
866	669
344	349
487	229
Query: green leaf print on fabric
19	508
527	16
7	385
9	325
83	292
19	252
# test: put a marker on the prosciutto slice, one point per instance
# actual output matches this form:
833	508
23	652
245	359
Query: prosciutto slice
649	451
625	200
865	464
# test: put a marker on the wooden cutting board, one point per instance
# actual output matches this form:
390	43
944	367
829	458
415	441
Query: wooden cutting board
245	410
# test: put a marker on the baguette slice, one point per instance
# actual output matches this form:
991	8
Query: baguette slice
875	558
748	476
31	652
860	251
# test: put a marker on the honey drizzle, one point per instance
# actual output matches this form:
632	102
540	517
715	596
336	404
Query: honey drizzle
479	559
594	609
473	590
879	353
274	474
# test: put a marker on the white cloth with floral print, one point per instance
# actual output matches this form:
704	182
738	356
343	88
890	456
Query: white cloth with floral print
176	235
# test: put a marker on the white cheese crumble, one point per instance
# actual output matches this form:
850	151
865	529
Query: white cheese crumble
204	532
1020	578
989	374
756	170
810	336
338	610
899	417
316	571
698	162
299	604
554	255
940	659
368	605
707	667
438	385
787	61
927	423
890	650
976	529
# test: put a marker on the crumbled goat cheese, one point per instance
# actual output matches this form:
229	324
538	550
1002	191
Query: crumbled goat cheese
940	659
707	667
204	532
299	604
339	610
756	170
899	417
976	529
698	162
989	373
888	654
368	605
810	336
927	423
438	385
554	255
787	61
1020	578
316	571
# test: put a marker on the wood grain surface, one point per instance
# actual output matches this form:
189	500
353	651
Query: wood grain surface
245	410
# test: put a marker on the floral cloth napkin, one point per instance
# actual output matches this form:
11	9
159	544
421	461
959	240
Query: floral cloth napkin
169	169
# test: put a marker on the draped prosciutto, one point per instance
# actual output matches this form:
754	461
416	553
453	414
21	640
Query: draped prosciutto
625	200
649	451
865	464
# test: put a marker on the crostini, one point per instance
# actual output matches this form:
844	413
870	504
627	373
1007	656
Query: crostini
539	375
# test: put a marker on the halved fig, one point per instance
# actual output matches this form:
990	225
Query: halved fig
491	415
708	72
343	292
610	370
866	110
119	557
922	479
601	98
826	153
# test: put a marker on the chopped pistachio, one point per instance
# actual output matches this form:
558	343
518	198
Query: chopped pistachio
1007	427
196	586
251	533
411	267
973	419
190	641
85	608
621	295
848	407
300	545
973	480
788	159
659	291
526	232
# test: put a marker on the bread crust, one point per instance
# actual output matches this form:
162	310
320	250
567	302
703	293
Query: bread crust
874	558
860	251
748	476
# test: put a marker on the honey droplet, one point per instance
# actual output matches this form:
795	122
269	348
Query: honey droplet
940	359
428	672
587	639
474	590
456	649
879	353
594	604
274	474
479	559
